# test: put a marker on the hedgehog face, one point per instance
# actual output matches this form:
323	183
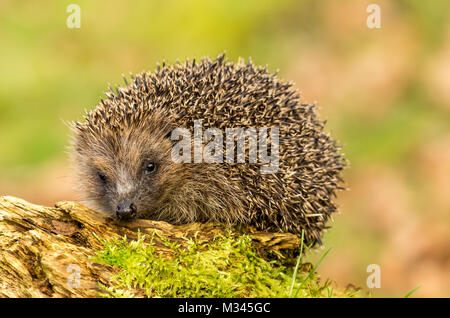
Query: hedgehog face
125	175
132	190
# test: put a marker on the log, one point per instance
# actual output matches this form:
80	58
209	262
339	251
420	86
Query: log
45	251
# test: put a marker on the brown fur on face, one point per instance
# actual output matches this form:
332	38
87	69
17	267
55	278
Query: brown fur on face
132	127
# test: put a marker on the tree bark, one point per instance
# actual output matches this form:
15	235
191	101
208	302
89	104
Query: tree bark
45	251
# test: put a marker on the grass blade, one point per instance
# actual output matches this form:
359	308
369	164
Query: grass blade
296	266
412	291
313	270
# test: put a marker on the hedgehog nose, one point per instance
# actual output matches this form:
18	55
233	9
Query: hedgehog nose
126	210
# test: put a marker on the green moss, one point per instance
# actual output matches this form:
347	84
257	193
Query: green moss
227	267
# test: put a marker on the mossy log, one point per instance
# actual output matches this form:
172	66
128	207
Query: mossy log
45	251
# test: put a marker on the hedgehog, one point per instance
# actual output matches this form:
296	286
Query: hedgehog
123	150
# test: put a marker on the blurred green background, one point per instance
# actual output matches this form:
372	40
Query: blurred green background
385	93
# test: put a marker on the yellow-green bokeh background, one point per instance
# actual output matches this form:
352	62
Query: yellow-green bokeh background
385	93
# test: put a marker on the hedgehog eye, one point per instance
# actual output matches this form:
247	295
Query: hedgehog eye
102	176
150	167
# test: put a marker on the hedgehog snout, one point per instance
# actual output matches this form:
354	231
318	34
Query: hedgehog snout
126	210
